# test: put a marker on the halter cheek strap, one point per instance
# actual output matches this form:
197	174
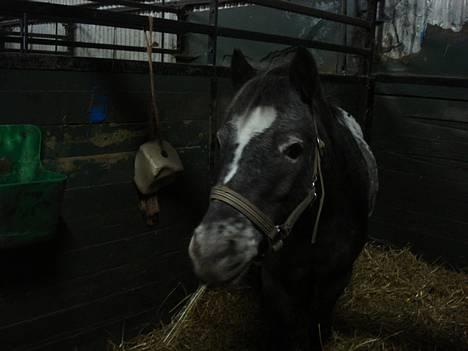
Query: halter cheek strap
276	233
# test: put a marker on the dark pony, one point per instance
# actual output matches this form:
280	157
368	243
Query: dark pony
296	185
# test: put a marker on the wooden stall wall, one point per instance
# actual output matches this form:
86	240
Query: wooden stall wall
420	138
107	274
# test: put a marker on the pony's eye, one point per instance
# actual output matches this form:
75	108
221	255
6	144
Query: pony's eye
293	151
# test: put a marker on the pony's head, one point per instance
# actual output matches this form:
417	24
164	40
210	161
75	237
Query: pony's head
267	150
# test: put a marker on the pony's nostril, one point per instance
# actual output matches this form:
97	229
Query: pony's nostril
231	245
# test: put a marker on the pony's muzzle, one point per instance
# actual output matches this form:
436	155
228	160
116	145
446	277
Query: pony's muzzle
220	252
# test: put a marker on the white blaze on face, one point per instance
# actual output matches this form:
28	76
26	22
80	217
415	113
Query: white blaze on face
247	127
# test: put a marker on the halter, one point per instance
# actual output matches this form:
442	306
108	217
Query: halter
276	233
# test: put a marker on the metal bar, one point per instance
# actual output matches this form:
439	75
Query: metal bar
412	96
16	60
37	35
371	17
380	22
81	44
137	5
212	53
414	79
84	64
70	33
304	10
342	59
163	35
279	39
287	6
16	22
108	18
63	13
24	32
370	44
343	78
56	36
213	38
42	52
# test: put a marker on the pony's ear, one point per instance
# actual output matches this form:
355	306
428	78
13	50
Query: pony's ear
304	76
241	70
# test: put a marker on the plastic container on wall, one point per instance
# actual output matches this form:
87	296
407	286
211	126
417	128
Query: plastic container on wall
30	196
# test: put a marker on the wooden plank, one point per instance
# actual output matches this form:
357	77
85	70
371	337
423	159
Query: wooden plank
422	147
442	250
110	225
434	197
436	92
101	214
95	340
39	300
97	228
455	111
93	139
92	314
112	168
401	124
425	166
22	80
173	106
84	203
436	228
62	107
20	272
95	169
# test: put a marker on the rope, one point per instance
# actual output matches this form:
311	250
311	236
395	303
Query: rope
322	198
155	131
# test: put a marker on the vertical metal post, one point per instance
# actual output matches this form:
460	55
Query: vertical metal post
212	41
380	23
343	57
70	36
372	18
212	52
24	33
163	15
56	36
2	42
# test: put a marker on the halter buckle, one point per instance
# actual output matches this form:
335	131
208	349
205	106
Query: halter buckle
277	238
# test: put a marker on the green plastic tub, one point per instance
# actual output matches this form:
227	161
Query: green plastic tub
30	196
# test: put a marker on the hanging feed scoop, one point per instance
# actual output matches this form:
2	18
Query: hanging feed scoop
157	162
154	167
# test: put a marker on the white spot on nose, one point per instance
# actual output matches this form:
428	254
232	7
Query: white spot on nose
247	127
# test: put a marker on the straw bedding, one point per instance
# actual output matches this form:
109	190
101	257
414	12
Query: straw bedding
395	302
